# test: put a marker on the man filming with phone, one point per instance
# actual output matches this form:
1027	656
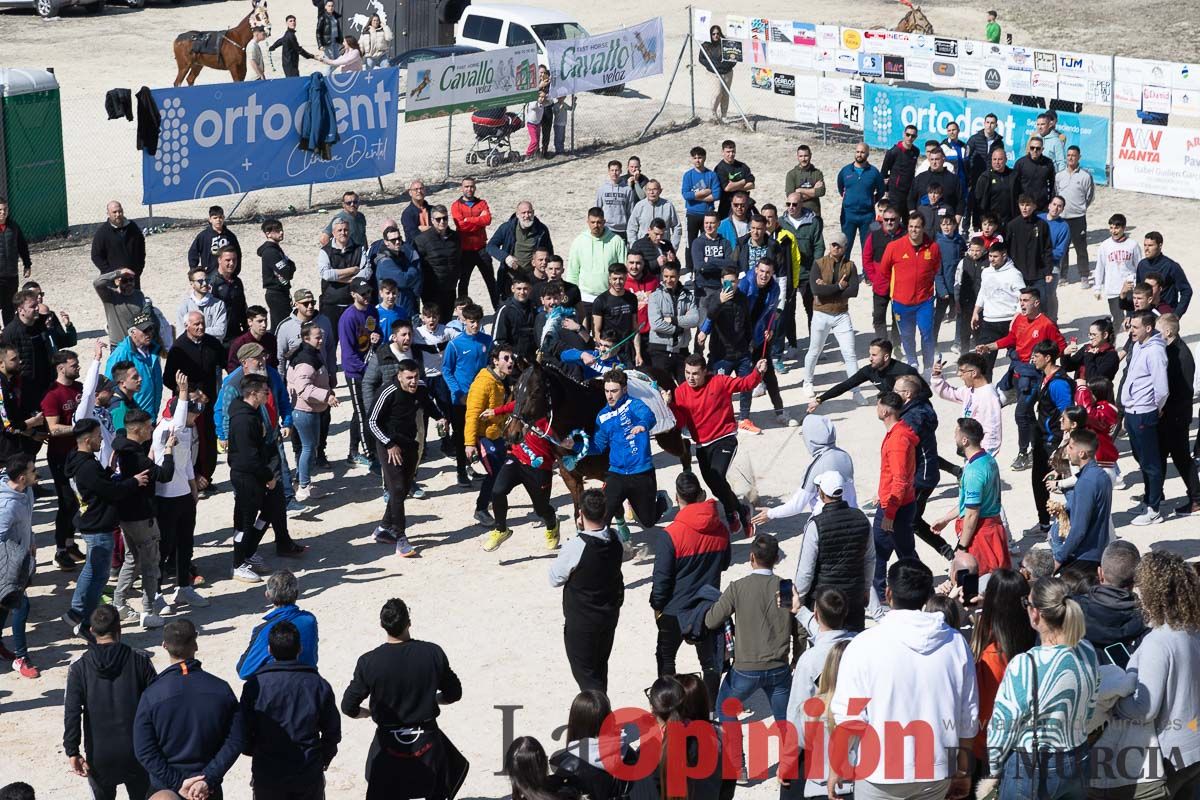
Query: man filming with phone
837	552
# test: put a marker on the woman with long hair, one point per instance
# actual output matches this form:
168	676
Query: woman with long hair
376	39
528	771
547	124
581	763
1001	634
671	703
1167	666
1061	478
311	392
713	61
1037	737
1097	398
1096	359
351	59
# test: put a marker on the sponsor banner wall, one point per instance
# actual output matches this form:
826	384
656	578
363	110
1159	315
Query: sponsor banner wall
1157	160
888	110
609	59
229	138
469	82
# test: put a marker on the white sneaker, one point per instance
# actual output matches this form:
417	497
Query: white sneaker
759	390
162	605
188	596
859	400
129	614
246	574
786	419
807	395
1147	517
151	621
302	494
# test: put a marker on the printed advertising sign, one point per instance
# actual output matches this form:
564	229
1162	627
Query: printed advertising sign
230	138
607	59
888	110
469	82
1157	160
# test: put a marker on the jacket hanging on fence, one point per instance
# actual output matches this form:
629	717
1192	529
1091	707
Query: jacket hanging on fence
149	121
318	129
118	103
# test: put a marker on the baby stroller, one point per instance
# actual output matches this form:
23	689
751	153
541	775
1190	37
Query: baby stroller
493	129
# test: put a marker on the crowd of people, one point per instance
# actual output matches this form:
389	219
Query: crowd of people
1047	647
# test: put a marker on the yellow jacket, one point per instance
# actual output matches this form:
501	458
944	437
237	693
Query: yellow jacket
487	391
788	242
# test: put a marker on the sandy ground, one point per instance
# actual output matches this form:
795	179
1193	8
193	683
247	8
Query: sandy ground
495	614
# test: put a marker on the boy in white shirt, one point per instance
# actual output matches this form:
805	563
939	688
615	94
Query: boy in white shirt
430	338
1116	267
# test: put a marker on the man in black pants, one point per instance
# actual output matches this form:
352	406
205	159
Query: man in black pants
397	424
690	555
103	687
588	568
706	412
254	473
58	407
407	680
1055	393
1176	421
919	415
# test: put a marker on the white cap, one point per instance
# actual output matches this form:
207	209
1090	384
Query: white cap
831	483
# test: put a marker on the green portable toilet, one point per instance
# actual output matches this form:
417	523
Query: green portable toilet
32	170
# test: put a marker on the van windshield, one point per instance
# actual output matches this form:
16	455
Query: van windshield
559	30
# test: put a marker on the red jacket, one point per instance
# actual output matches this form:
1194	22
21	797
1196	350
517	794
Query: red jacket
707	412
647	284
471	221
909	270
1102	419
1024	333
897	467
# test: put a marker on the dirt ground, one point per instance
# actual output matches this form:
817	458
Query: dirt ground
495	614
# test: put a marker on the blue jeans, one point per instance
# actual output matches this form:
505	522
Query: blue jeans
856	223
308	428
1059	775
19	616
285	471
742	684
901	541
911	319
1025	378
94	575
1143	440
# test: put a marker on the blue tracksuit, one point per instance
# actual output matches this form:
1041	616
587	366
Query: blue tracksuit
628	455
693	180
859	188
257	653
465	356
1060	237
952	248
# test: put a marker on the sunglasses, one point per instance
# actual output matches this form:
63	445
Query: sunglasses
350	202
396	240
791	205
1033	149
910	136
891	219
201	282
306	303
439	219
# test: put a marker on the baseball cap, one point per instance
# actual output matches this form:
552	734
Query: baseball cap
249	350
144	322
302	294
831	483
360	286
104	384
837	237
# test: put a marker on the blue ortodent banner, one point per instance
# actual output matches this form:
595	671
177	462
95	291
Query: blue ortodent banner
887	110
234	137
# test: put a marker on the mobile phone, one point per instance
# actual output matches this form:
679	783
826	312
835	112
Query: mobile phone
785	594
726	286
1074	340
969	584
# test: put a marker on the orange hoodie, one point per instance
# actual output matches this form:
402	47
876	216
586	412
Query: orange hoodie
909	270
897	468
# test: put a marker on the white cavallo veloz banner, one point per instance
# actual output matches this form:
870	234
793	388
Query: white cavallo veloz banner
606	59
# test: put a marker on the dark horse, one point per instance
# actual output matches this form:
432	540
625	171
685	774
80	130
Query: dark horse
544	390
226	49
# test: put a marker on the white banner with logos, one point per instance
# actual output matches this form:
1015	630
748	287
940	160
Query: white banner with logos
607	59
1157	160
469	82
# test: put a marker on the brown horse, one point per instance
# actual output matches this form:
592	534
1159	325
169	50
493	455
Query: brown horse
226	49
915	21
544	390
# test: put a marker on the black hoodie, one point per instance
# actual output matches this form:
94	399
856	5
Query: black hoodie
103	689
206	245
98	492
250	449
1115	625
277	269
133	458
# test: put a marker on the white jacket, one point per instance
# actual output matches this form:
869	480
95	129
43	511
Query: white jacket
892	666
1000	292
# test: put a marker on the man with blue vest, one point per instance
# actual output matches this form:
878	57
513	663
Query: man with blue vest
623	429
282	592
860	185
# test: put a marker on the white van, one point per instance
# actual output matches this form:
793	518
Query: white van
493	26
